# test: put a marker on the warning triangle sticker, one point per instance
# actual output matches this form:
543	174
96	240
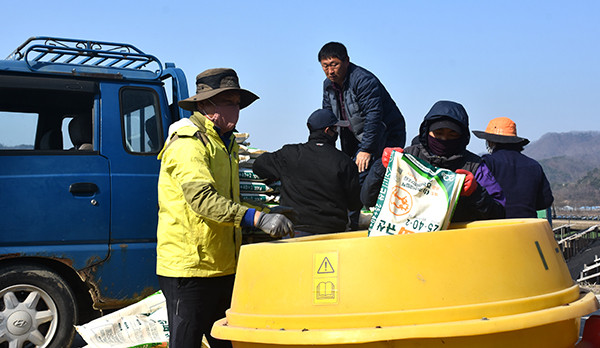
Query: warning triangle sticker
325	267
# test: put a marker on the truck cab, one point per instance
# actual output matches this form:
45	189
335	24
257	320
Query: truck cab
81	125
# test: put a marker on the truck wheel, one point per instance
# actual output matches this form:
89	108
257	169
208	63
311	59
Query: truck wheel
37	307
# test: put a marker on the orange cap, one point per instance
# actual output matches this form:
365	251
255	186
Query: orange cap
502	126
501	130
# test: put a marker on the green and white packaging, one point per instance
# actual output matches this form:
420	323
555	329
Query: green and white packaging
414	197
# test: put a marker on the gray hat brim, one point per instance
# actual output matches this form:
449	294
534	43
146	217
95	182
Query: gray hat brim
446	122
502	139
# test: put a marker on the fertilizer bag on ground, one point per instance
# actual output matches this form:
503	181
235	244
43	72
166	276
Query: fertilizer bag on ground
415	197
142	324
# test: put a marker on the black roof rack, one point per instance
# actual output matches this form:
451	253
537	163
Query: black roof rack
62	55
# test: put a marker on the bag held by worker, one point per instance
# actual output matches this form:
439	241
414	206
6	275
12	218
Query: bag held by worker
415	197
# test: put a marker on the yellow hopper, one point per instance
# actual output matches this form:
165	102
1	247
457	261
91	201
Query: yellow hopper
499	283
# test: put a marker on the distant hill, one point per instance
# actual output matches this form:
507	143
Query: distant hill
16	147
567	169
570	144
583	192
571	162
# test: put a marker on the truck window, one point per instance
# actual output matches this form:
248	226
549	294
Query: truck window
18	130
141	125
34	112
67	143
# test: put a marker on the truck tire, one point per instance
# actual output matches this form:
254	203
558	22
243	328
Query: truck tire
38	308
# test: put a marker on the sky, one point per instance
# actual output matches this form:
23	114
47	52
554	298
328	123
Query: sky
533	61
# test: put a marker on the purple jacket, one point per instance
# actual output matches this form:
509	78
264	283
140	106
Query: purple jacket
484	177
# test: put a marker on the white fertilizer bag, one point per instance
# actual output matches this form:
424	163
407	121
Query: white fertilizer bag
415	197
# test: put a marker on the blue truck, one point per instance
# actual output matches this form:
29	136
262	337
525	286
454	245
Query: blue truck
81	124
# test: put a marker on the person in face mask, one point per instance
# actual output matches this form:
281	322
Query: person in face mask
200	217
442	142
319	181
225	115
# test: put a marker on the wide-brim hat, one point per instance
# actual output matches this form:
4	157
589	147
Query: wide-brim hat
214	81
501	130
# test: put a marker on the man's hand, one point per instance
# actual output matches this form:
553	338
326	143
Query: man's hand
289	212
387	153
362	161
277	225
470	183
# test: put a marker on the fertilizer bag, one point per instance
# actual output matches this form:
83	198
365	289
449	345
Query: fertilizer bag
415	197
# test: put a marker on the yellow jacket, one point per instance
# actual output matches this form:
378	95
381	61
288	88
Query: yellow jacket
199	218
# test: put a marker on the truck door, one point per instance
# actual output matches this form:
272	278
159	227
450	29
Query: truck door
132	137
55	198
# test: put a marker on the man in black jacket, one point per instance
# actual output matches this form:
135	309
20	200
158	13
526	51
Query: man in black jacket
319	181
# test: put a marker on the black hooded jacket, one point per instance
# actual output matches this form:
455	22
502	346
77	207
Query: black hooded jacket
479	205
318	180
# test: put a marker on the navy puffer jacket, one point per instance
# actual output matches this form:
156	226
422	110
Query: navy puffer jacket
376	120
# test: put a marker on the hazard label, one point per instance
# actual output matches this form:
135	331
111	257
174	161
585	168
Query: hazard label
325	278
326	267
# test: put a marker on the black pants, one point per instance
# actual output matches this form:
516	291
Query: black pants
350	147
193	305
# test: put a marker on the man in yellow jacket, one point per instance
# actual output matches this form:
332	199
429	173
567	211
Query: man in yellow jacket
200	216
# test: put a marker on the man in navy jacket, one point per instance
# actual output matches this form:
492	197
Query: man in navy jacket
355	94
